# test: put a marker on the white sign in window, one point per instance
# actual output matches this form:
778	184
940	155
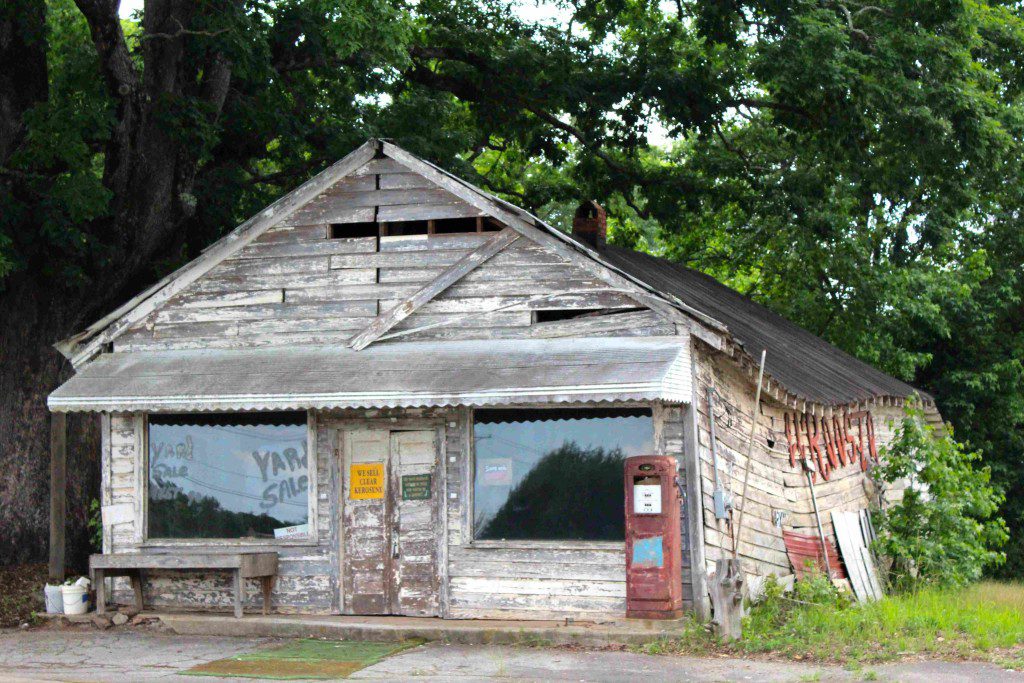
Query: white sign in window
647	499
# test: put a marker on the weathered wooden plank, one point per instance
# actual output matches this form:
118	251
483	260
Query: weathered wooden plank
404	181
204	329
271	266
481	605
605	556
466	241
380	166
456	301
294	234
397	291
330	278
424	212
439	258
58	495
431	195
348	309
610	571
225	299
323	211
183	560
487	273
407	307
346	245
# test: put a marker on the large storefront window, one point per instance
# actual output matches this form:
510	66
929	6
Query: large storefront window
240	475
554	474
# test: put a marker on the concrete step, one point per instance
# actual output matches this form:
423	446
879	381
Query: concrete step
463	632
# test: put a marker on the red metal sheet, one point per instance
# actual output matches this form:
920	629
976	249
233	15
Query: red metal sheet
804	550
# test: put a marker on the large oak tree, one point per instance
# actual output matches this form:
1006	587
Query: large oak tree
854	165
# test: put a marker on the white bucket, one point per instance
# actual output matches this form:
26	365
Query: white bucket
54	599
76	599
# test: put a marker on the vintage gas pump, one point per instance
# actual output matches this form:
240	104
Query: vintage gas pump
654	582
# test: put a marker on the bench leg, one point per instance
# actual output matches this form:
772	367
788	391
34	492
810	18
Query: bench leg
100	581
238	593
268	584
137	588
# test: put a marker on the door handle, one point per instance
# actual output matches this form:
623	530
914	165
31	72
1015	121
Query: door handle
394	544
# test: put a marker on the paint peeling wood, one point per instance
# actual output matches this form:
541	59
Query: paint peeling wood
109	327
225	299
446	279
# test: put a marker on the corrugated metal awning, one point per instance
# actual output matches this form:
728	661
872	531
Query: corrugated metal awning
414	374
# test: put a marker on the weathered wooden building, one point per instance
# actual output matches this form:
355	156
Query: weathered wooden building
419	397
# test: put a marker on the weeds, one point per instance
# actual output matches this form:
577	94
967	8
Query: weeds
817	622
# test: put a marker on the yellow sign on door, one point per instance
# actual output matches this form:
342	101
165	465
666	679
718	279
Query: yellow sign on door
366	481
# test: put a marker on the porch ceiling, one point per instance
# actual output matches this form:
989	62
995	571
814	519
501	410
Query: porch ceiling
414	374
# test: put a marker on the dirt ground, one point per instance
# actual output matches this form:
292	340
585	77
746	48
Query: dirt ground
134	655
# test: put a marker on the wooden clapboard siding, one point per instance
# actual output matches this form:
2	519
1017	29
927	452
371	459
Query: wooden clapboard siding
307	580
382	190
773	486
294	284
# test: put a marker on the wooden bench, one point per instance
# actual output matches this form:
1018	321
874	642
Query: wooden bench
242	565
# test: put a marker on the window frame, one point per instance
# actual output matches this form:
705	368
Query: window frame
469	492
311	539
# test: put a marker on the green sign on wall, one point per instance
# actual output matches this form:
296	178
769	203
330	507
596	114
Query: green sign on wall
416	487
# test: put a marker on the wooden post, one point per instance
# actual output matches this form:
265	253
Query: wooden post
726	588
58	495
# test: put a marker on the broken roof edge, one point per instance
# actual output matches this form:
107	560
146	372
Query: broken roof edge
777	390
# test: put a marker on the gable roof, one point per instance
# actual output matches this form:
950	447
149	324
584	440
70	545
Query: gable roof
806	366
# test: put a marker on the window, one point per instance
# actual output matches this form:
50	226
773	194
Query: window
237	475
340	231
451	226
554	474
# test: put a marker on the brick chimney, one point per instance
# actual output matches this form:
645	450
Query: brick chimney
590	224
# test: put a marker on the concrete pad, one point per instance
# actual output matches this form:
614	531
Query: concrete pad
461	631
121	655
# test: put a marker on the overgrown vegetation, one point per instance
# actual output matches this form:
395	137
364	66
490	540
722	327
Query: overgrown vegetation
983	621
21	594
857	168
944	530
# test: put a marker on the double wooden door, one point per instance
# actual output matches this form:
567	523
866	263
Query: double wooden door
389	522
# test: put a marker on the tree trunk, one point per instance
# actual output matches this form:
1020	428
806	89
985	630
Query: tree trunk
150	170
33	318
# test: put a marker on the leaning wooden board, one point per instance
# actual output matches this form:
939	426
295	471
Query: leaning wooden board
853	546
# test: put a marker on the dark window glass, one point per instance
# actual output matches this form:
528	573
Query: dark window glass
241	475
406	228
347	230
554	474
449	226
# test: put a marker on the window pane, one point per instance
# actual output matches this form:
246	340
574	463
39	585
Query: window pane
554	474
228	476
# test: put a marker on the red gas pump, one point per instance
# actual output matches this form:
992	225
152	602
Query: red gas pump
654	581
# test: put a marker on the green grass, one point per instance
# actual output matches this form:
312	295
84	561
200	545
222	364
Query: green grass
984	621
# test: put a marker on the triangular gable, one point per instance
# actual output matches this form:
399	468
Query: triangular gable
421	191
85	345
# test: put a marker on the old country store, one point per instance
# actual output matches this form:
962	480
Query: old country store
409	397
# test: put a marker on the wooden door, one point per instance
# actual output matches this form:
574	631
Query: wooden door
388	523
414	523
